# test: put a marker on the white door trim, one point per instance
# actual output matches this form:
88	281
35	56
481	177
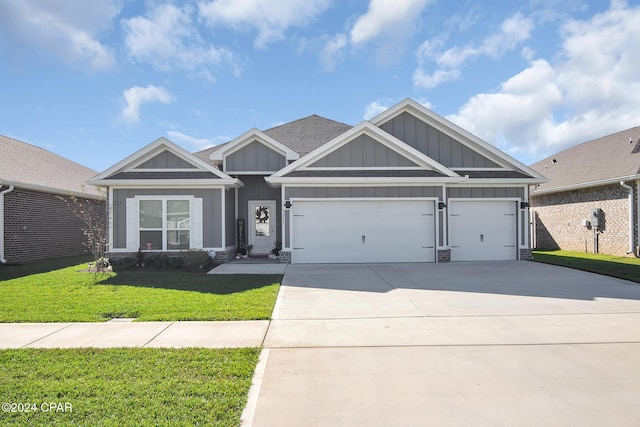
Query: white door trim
261	246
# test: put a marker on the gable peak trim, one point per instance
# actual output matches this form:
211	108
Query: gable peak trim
247	138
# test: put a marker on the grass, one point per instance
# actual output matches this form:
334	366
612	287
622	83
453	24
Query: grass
608	265
120	387
67	295
13	271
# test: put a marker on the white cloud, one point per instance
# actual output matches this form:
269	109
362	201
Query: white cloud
386	17
376	107
589	92
513	31
387	23
136	96
332	50
270	18
167	39
380	105
67	30
193	142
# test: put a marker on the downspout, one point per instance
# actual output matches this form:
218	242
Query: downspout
630	190
3	260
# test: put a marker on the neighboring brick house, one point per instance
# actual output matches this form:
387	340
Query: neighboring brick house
35	222
601	174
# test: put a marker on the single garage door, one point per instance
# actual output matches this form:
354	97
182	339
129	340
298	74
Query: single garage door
359	231
482	230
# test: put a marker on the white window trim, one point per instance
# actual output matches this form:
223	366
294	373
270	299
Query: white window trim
192	214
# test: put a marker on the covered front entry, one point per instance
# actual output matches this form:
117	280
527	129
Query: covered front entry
362	231
262	226
483	230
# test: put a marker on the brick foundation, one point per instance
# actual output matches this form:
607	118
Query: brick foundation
526	254
284	257
444	255
558	220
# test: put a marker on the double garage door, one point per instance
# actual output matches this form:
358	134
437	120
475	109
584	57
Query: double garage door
366	231
363	231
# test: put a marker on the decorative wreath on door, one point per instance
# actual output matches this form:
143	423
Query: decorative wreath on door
262	214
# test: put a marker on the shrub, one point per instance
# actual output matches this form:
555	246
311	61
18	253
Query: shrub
192	260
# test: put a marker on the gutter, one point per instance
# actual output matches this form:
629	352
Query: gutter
630	190
536	192
3	260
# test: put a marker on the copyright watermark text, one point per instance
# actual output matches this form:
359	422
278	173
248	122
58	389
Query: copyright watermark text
37	407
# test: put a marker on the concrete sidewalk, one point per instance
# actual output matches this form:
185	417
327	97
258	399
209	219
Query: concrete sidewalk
134	334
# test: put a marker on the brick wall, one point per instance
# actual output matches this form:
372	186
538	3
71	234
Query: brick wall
558	219
40	225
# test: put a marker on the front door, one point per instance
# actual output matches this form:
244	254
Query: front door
262	226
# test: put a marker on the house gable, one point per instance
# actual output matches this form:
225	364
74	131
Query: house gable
363	152
162	162
435	143
446	142
254	157
253	153
165	160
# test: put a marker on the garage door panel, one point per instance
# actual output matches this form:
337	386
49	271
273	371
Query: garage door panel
483	230
363	231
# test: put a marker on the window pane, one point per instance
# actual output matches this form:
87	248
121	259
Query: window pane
177	239
150	214
262	221
178	214
151	240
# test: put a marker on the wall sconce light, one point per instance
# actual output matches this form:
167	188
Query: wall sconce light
287	204
524	205
442	205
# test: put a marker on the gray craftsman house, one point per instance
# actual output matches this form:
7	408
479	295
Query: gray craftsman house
405	186
591	202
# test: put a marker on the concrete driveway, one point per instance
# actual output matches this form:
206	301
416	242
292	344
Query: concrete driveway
500	344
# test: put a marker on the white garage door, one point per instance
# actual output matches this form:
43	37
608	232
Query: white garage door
359	231
482	230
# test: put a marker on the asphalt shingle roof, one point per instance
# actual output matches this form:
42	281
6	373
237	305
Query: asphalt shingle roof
306	134
609	158
22	163
302	136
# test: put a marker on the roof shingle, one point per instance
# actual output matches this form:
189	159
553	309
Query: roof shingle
22	163
610	158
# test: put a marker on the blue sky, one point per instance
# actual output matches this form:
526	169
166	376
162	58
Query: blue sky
96	80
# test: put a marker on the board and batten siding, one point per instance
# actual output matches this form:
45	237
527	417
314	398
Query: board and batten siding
211	212
434	143
354	192
363	151
254	157
165	160
256	188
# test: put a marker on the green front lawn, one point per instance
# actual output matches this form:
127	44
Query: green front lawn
125	387
67	295
608	265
